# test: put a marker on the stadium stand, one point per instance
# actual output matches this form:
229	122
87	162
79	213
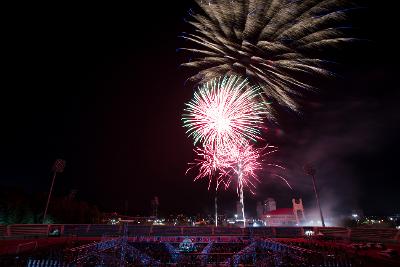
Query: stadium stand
263	231
373	234
75	229
288	231
193	231
28	230
333	232
228	231
98	230
166	230
135	230
3	230
102	229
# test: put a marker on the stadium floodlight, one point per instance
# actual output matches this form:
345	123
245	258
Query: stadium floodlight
310	170
58	167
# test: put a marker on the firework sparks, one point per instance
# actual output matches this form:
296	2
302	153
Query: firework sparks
235	165
227	164
245	161
211	163
224	112
268	41
225	116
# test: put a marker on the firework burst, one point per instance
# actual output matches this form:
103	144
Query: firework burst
243	162
226	165
236	165
224	112
272	42
211	164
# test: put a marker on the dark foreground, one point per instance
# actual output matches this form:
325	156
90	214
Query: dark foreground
224	247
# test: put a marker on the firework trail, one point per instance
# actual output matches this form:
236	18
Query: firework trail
225	117
224	112
243	161
272	42
235	165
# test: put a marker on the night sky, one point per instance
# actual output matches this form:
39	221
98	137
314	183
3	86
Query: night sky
101	87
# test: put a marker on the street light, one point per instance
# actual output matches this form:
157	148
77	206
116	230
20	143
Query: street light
310	170
58	167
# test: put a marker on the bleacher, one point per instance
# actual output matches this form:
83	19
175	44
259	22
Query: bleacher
103	229
228	231
134	230
29	230
334	232
75	229
288	232
261	252
166	230
373	234
3	230
263	231
193	231
99	230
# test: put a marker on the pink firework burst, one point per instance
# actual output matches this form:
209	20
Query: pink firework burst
212	164
225	112
245	161
238	165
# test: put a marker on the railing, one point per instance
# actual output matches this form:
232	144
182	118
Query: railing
3	230
373	234
97	230
28	229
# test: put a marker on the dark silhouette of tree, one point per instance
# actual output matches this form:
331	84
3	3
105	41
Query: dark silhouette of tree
17	206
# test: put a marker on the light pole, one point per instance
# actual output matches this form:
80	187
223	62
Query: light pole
58	167
310	170
215	197
216	208
241	195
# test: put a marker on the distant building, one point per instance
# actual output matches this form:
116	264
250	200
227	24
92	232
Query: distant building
283	216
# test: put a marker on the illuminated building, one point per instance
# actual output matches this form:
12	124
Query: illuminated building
283	216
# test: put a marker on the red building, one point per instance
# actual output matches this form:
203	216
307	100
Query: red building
284	216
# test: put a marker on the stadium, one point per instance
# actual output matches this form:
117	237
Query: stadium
125	244
164	133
